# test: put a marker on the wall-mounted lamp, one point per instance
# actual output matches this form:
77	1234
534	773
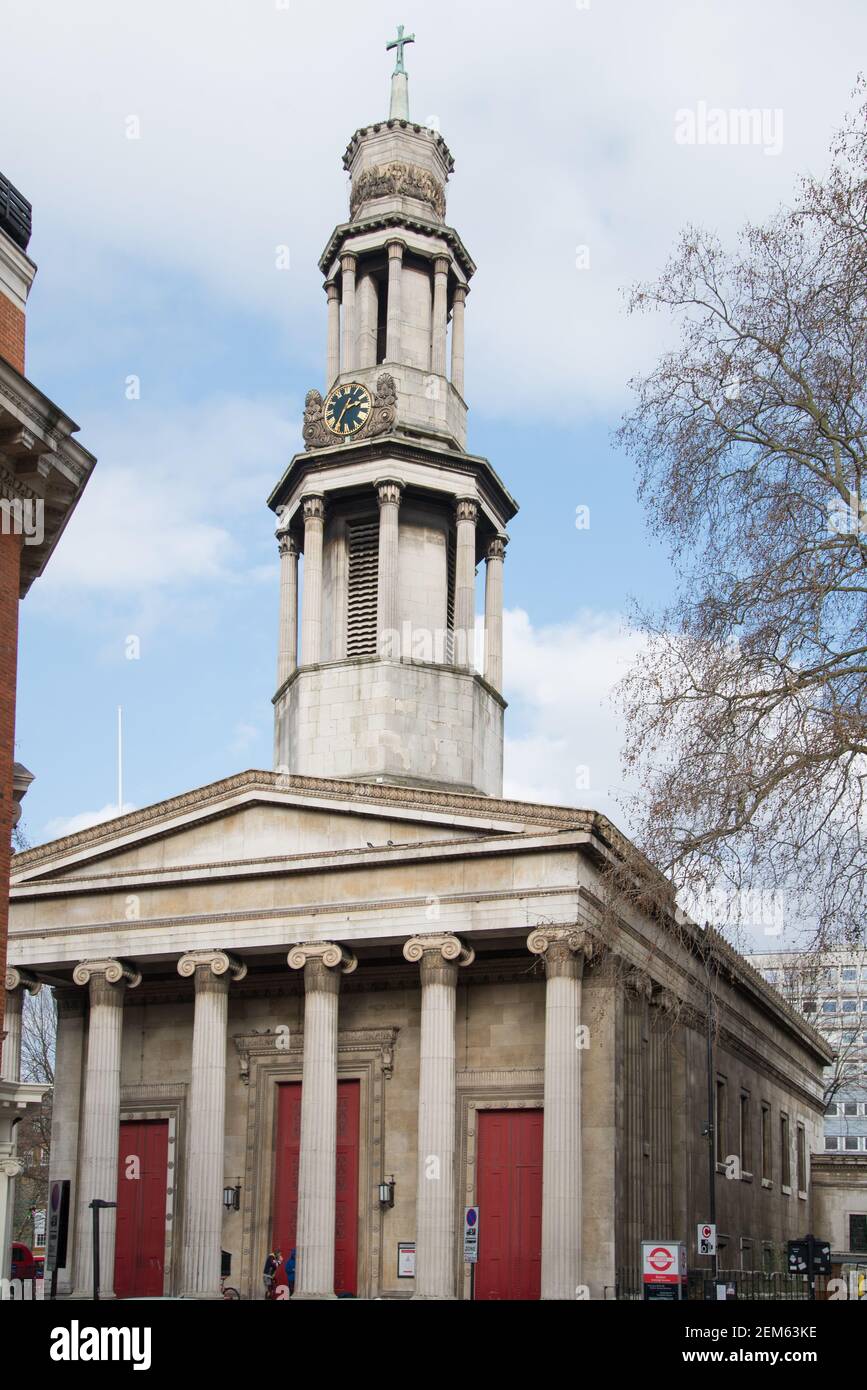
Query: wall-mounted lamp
386	1192
232	1197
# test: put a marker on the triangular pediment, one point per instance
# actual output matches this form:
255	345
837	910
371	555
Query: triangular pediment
261	816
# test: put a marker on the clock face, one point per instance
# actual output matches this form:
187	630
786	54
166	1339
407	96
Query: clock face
347	408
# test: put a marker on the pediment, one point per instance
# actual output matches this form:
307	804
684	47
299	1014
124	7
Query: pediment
260	816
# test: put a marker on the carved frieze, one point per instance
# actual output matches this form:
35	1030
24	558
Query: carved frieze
398	180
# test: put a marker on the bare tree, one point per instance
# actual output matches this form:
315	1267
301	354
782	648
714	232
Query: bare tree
38	1043
747	712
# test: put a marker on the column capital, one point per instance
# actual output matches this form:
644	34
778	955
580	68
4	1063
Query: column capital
389	490
460	294
22	979
313	506
286	543
220	962
395	248
348	261
329	953
496	548
331	289
443	944
466	509
114	972
563	949
441	265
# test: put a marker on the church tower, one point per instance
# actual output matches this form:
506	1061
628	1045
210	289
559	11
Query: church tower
389	511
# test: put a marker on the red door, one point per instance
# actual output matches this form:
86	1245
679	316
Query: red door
286	1179
142	1180
509	1198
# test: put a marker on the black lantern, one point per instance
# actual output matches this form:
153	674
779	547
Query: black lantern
232	1197
386	1192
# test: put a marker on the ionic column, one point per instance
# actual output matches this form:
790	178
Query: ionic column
494	557
439	957
332	368
212	972
17	983
440	315
323	964
393	308
108	981
348	358
458	307
368	314
311	603
466	512
66	1115
564	950
287	650
388	491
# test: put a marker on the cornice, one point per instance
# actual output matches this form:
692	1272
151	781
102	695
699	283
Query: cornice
368	794
383	222
398	123
396	446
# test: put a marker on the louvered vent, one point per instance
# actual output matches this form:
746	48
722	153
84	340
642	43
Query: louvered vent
363	563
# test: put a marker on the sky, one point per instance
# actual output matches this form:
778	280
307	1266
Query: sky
170	149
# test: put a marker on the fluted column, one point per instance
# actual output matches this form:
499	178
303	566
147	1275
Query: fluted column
333	361
440	315
368	315
348	356
287	650
388	491
66	1108
212	972
323	964
466	513
439	957
494	557
311	603
564	950
393	308
18	982
108	981
458	308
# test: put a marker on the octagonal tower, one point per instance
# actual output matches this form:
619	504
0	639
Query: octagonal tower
389	511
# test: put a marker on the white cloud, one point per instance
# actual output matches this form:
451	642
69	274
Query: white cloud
69	825
158	511
562	733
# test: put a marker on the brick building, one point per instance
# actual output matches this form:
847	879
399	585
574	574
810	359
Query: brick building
43	471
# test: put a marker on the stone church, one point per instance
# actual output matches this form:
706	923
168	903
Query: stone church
332	1006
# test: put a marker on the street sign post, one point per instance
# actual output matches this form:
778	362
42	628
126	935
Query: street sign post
471	1244
58	1228
663	1270
706	1240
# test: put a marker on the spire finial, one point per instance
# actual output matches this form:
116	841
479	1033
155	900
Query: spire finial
399	44
399	108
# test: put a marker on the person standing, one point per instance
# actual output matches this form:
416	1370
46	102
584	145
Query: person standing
269	1273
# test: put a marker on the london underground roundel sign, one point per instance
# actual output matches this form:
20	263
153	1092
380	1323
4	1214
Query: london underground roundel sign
663	1261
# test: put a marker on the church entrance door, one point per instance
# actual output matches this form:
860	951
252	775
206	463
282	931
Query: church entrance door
509	1197
142	1182
285	1216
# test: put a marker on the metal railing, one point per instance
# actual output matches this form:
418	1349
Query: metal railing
752	1284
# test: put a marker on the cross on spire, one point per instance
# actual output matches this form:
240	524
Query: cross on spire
399	43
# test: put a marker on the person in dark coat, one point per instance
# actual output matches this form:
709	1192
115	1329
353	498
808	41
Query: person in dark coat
289	1271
